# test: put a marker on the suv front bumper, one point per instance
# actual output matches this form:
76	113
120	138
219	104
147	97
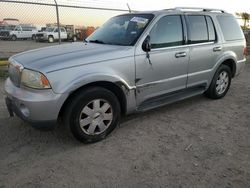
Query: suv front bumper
37	107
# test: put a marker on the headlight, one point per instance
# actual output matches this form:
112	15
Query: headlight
34	80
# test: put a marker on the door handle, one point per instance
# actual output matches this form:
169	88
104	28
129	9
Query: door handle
217	48
180	54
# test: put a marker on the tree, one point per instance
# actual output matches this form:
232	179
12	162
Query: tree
245	17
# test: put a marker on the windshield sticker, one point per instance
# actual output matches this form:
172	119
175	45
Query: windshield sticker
139	20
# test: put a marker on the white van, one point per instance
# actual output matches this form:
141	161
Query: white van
23	32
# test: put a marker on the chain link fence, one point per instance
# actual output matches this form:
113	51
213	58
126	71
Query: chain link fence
31	24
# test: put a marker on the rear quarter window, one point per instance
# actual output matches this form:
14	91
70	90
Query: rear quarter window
230	28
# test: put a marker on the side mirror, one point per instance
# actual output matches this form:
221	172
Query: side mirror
146	45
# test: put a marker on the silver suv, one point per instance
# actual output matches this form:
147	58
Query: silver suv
134	62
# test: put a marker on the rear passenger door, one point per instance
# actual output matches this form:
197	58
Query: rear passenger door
204	48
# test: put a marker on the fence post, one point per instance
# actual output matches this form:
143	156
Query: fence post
58	22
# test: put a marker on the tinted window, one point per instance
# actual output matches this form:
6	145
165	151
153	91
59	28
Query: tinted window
197	29
211	30
167	32
230	28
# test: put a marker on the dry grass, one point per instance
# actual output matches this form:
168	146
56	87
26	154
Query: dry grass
4	63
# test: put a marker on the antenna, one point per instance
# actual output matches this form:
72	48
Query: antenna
128	8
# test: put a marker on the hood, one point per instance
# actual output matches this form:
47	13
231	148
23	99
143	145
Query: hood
70	55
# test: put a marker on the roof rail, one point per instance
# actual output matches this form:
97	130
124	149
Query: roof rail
201	9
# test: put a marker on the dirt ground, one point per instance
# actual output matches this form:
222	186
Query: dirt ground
194	143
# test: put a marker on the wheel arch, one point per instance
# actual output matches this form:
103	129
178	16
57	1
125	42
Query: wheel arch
230	63
228	58
117	88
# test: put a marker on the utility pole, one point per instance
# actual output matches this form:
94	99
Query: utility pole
58	22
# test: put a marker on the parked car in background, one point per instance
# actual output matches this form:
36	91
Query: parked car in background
5	31
51	34
133	63
19	32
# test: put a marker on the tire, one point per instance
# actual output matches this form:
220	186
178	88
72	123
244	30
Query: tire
13	38
51	39
33	37
219	86
97	123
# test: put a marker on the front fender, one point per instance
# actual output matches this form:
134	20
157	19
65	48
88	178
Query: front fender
96	77
81	81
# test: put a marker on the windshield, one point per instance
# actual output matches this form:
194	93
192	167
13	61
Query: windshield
121	30
49	29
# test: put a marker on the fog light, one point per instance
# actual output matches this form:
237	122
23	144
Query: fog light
25	111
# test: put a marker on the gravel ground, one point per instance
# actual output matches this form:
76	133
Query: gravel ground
194	143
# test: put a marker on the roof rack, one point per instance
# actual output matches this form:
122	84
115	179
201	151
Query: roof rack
201	9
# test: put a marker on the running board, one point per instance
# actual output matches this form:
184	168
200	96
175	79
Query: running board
170	98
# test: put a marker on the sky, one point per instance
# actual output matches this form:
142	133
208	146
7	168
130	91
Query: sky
42	14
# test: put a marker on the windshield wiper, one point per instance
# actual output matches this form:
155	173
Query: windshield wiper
97	41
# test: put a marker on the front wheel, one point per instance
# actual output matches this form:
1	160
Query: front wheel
51	39
221	83
92	114
13	38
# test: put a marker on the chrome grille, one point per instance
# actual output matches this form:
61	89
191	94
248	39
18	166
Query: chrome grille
15	70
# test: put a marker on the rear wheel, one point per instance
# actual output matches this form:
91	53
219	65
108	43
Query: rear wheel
92	114
221	83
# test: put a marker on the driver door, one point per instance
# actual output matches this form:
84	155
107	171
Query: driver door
165	69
